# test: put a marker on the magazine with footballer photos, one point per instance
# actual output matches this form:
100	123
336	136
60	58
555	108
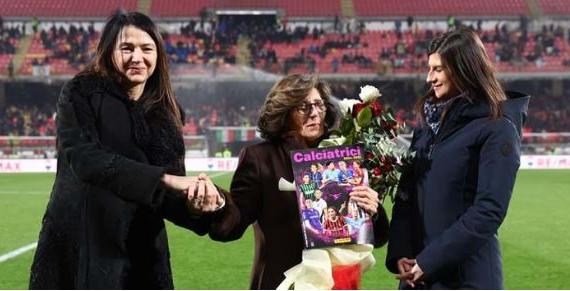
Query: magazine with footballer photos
324	177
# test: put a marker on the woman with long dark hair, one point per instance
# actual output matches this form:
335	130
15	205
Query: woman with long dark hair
453	199
120	170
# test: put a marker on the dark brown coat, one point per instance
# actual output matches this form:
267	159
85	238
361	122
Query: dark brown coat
255	198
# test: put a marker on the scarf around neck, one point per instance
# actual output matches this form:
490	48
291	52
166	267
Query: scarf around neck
433	111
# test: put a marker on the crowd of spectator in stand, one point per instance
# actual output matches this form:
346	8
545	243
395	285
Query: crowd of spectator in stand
210	41
200	45
511	45
265	36
9	36
547	114
200	117
35	121
214	41
71	44
27	121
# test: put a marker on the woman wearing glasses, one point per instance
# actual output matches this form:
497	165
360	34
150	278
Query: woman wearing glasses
297	114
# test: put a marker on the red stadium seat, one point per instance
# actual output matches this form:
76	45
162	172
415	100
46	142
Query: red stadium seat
444	8
555	7
64	8
295	8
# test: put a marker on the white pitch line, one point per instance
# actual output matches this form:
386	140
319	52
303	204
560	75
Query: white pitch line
18	252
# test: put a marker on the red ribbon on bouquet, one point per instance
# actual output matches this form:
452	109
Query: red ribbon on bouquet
347	277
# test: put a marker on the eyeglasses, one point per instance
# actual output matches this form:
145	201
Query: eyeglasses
306	108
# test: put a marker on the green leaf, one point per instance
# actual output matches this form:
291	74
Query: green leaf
346	126
332	142
364	117
335	133
350	137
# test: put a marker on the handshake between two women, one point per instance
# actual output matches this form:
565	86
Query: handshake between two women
202	195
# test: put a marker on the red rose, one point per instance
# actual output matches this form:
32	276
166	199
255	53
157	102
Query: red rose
377	171
387	125
376	107
357	108
393	125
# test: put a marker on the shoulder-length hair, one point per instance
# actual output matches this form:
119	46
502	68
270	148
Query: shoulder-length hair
464	58
286	95
158	93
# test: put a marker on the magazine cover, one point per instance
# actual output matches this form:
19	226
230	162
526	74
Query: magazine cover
323	179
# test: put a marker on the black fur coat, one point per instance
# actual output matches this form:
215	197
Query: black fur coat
103	227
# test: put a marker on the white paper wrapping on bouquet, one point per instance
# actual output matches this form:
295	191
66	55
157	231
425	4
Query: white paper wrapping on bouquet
315	269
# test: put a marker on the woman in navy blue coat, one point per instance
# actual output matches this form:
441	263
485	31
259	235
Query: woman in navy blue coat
453	199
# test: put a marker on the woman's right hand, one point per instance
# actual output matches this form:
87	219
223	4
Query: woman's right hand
366	198
405	266
180	183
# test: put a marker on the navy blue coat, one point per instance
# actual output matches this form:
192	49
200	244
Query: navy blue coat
455	196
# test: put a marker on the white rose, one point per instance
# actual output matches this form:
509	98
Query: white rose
369	93
347	104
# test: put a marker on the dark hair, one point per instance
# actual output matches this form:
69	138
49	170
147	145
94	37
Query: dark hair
284	96
158	92
464	58
335	210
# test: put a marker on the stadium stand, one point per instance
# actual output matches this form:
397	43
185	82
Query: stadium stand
64	8
65	51
176	8
303	49
292	8
339	39
375	8
555	7
9	41
338	45
27	121
548	114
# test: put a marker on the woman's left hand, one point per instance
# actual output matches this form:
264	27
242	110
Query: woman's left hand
366	198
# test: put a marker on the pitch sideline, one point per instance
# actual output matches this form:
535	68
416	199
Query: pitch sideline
18	252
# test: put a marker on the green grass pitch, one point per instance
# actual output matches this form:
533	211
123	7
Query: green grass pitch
534	238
